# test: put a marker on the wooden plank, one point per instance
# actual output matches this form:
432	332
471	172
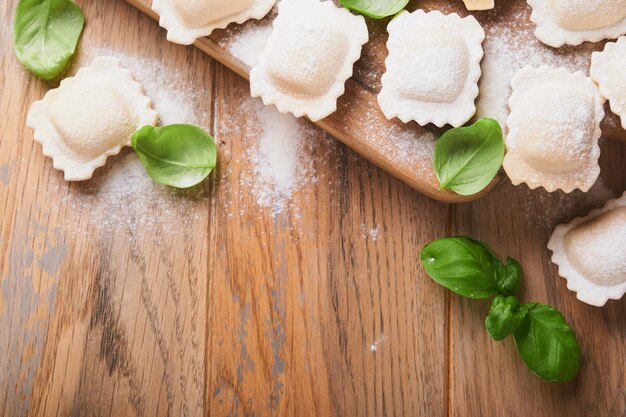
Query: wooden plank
399	149
316	308
103	283
490	379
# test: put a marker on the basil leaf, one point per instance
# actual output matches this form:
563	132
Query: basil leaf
462	265
505	316
547	344
376	9
468	158
45	35
177	155
509	277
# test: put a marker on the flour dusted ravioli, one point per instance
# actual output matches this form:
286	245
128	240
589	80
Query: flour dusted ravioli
90	117
608	71
309	57
573	22
433	68
188	20
554	127
591	253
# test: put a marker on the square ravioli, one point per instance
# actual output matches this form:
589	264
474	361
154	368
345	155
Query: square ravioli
188	20
573	22
591	253
433	68
607	70
554	128
309	57
90	117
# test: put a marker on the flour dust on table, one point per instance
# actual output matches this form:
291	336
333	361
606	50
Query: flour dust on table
281	151
176	100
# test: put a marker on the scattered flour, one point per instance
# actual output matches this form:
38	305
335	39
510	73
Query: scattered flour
370	232
374	346
125	198
250	43
282	161
175	99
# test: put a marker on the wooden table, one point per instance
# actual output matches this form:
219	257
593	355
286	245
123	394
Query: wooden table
202	303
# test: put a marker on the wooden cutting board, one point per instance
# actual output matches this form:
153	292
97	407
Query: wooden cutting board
406	150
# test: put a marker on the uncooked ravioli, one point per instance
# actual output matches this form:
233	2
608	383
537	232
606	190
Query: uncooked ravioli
188	20
573	22
554	127
308	58
90	117
591	253
607	70
433	68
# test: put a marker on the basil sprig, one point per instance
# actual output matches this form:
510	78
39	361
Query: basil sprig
376	9
45	35
543	338
467	159
180	156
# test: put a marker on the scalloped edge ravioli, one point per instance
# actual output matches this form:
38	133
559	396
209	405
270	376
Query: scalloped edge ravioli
90	117
309	57
590	252
433	68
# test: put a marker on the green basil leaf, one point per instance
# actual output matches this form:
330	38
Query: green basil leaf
376	9
177	155
462	265
505	316
509	277
468	158
547	344
45	35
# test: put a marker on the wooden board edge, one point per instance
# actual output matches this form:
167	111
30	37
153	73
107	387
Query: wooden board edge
427	188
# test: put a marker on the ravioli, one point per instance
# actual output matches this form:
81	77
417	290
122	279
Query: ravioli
607	70
554	128
591	253
188	20
309	57
573	22
433	68
90	117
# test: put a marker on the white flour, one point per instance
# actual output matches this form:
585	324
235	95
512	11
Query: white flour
176	100
250	43
281	151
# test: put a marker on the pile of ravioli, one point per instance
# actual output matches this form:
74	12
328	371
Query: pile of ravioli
432	73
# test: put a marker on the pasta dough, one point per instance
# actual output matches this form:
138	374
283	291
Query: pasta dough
90	117
309	57
591	253
573	22
607	70
188	20
433	68
554	127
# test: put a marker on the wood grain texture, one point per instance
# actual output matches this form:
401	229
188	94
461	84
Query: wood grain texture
119	297
518	222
